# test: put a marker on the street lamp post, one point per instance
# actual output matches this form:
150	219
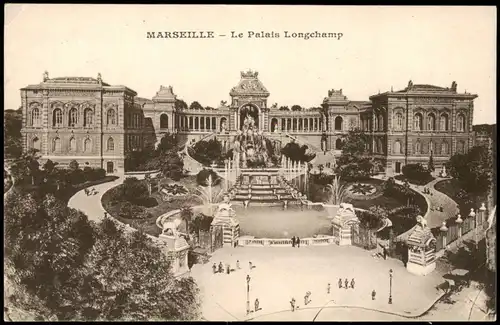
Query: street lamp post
248	294
390	286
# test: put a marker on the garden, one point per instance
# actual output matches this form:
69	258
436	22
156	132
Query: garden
140	202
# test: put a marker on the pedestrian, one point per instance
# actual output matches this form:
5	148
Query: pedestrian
373	294
352	283
306	299
340	283
228	269
250	265
385	253
298	241
293	241
214	268
346	282
292	304
238	264
86	191
221	268
328	288
257	304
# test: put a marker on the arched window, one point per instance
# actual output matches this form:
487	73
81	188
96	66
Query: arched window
418	147
375	124
111	117
431	122
196	123
399	121
338	123
57	117
163	121
460	123
87	145
418	122
431	147
35	117
381	122
73	117
88	117
443	122
274	125
381	146
190	122
397	147
207	123
460	147
110	144
56	145
338	144
214	123
223	122
35	143
444	148
72	144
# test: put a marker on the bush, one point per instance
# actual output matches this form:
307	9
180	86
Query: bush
202	177
417	174
132	211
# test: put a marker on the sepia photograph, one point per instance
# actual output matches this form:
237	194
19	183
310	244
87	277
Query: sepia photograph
249	163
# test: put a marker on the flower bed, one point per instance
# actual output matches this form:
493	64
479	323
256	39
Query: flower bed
174	190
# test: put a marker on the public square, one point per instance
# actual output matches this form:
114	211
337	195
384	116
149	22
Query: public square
281	273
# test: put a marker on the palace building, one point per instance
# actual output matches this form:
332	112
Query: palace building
97	124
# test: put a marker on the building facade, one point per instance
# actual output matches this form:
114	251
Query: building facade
87	120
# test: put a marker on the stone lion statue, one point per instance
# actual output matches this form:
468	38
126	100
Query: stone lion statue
346	208
170	227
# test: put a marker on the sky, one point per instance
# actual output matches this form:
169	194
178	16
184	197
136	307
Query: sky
381	47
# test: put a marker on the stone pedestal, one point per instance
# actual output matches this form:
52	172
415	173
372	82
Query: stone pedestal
421	249
342	224
225	218
177	249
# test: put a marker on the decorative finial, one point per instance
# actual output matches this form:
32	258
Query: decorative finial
454	86
45	76
410	84
99	77
392	89
249	74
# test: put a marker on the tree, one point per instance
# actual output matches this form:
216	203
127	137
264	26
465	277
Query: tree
46	242
73	165
12	133
133	190
430	165
284	108
186	215
207	152
296	152
354	163
68	268
473	170
297	108
195	105
180	104
417	173
167	143
337	191
26	166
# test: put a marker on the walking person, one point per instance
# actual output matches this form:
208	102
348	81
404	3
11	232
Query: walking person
257	305
228	269
352	283
293	241
292	304
306	298
250	265
298	242
214	268
238	264
340	283
221	268
385	253
373	294
328	288
346	282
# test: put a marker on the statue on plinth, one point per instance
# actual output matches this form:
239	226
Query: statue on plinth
170	228
421	222
443	172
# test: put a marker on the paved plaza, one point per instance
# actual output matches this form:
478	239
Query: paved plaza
281	273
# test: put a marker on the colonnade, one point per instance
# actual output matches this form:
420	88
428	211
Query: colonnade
297	124
200	123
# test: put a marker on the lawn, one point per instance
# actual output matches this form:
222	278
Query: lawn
377	198
451	187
